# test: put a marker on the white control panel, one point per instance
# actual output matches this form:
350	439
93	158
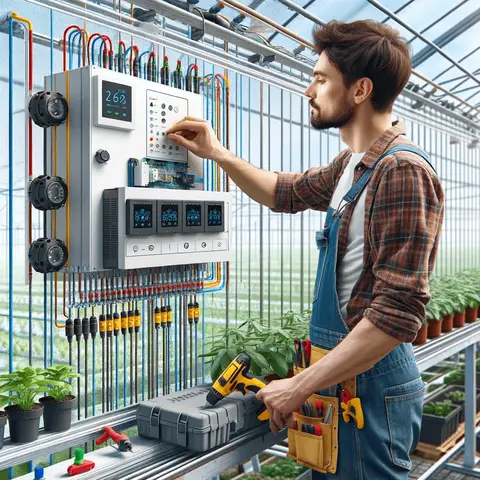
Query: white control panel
163	111
110	114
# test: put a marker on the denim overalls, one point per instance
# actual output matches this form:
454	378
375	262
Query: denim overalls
391	393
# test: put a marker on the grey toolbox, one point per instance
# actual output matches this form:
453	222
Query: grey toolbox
180	418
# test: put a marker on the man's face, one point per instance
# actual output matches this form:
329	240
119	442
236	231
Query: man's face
330	101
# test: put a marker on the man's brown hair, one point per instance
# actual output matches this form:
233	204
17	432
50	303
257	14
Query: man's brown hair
367	49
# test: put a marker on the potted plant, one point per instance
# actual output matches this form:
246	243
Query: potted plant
473	300
24	415
58	405
271	348
3	418
435	317
439	422
421	337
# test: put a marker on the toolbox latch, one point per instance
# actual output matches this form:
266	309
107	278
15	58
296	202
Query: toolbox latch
182	429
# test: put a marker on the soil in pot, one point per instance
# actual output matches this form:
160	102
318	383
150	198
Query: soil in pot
3	422
459	320
24	424
57	416
421	336
447	324
470	315
434	328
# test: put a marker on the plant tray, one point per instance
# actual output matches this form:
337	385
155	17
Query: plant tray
434	452
442	394
436	430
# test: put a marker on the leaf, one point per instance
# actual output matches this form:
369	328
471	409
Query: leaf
225	360
258	358
279	365
216	368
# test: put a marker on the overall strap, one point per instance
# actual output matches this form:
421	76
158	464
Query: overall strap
357	189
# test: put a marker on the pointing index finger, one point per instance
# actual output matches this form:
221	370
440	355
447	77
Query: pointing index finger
185	125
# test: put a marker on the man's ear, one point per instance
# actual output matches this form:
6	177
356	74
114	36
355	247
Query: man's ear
362	90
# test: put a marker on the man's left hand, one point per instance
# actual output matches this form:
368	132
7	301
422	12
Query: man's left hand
282	398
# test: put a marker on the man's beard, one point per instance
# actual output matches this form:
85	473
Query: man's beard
338	120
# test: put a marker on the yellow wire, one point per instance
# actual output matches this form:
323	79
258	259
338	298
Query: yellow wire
16	16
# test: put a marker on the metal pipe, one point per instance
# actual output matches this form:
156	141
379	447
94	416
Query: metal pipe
300	10
268	21
419	35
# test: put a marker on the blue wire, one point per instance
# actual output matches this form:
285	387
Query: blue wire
71	43
102	47
10	196
125	59
79	63
140	63
10	202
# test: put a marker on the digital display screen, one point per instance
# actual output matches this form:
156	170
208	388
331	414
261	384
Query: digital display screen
193	215
116	101
142	216
214	215
169	215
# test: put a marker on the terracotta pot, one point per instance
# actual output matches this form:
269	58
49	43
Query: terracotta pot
459	320
434	328
421	336
470	315
447	324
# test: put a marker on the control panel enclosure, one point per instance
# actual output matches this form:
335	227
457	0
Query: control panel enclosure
114	118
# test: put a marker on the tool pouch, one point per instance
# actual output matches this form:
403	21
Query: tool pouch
319	453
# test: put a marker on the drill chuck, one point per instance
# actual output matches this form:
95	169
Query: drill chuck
213	397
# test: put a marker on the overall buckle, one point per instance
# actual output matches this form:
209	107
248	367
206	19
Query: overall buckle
321	238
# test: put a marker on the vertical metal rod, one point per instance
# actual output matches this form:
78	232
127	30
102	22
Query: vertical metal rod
249	203
302	214
470	406
235	201
282	99
260	212
290	232
269	224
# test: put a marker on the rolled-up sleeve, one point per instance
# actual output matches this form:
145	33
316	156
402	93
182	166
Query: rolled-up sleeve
296	192
406	219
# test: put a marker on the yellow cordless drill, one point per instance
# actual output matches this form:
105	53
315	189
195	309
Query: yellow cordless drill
236	377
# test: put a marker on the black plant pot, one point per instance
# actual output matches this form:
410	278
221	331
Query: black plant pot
24	425
57	416
3	422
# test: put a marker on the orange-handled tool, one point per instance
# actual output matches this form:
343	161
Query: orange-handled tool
122	441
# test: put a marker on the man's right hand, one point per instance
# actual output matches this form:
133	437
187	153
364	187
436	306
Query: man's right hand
198	137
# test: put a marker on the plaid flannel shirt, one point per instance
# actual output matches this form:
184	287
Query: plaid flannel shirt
404	210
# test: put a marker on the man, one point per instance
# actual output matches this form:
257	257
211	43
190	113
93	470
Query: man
376	252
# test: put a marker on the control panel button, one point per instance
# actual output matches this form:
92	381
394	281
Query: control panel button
186	247
220	244
135	248
204	245
151	247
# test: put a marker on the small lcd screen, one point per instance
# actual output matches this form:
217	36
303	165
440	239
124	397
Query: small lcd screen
116	101
142	216
193	213
214	216
169	213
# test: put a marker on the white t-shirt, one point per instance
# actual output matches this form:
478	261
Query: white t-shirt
350	267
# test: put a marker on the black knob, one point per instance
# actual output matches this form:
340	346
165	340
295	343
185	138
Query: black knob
102	156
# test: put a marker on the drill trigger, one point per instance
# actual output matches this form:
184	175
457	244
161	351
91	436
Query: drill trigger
241	388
